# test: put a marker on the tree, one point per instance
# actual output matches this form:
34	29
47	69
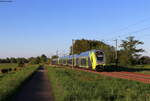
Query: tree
7	60
54	57
20	62
129	51
34	60
13	60
43	58
48	60
144	60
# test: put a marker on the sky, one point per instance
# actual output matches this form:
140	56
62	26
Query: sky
34	27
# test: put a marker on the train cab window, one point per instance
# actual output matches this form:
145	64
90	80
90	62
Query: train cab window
100	59
100	56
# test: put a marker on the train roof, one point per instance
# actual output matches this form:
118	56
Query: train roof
79	55
87	52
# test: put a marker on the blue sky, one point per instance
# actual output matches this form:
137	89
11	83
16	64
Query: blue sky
33	27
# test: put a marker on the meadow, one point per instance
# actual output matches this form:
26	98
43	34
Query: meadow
72	85
12	81
146	69
8	65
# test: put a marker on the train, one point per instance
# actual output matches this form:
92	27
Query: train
93	59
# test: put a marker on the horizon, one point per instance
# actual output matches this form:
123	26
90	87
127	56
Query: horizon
31	28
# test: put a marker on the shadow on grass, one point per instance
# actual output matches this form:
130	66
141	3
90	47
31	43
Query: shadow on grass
114	68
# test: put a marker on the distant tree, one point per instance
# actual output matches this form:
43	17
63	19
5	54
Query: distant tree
129	51
43	58
54	57
33	60
24	60
48	60
38	60
13	60
144	60
20	62
7	60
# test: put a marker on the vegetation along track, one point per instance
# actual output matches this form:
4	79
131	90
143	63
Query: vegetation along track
129	75
124	75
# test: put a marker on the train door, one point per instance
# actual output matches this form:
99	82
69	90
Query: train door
83	62
89	63
77	62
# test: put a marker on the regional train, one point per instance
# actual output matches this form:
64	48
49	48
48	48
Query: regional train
94	60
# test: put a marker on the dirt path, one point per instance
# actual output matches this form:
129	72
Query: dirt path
36	89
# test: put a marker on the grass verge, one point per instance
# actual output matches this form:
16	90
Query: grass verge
72	85
10	83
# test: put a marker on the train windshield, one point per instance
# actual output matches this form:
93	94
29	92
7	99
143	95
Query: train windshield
100	56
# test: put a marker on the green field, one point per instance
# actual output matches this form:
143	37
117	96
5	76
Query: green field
145	69
10	83
8	65
72	85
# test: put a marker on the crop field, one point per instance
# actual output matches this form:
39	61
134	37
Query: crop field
72	85
10	83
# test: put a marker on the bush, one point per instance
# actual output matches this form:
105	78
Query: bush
20	64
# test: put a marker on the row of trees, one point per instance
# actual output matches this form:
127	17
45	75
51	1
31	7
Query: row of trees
33	60
13	60
40	59
128	53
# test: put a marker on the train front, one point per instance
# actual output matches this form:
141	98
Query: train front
100	60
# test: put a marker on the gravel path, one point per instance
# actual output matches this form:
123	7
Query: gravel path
36	89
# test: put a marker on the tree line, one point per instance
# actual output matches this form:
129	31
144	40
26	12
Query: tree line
32	60
128	52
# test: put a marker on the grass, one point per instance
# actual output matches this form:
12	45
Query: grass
145	69
72	85
8	65
10	83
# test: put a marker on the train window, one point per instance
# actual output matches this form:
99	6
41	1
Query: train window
83	62
100	56
64	61
70	61
77	62
100	59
